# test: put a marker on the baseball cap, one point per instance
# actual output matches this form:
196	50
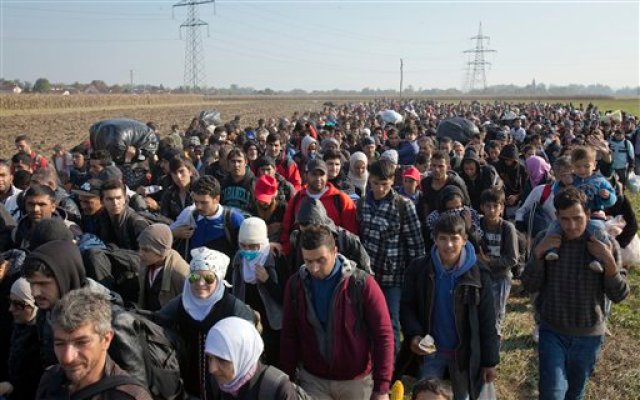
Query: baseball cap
413	173
317	165
266	188
109	173
89	188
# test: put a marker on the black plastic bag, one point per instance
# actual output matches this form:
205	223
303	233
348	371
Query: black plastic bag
115	135
457	128
210	117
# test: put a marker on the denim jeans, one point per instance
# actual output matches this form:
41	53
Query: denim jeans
392	295
501	289
436	365
566	363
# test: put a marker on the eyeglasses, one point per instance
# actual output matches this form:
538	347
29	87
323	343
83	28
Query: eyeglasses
208	278
18	304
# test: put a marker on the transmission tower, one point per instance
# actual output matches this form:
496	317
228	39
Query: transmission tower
194	75
476	72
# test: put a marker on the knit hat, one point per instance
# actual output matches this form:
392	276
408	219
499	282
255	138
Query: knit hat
253	231
509	152
156	237
22	290
367	141
47	230
266	188
413	173
390	155
205	259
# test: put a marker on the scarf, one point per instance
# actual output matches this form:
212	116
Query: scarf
537	167
249	266
237	340
198	308
359	181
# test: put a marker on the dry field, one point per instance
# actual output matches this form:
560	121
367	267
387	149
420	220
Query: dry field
50	120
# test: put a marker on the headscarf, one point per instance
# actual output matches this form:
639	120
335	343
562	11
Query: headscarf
304	146
157	237
359	181
236	340
204	259
390	155
253	231
22	291
537	168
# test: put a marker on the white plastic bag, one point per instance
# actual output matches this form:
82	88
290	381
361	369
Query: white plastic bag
633	183
391	117
488	392
614	226
631	254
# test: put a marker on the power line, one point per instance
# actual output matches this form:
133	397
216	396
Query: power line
194	73
476	74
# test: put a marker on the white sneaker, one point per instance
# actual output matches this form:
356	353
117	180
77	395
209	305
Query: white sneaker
551	256
595	266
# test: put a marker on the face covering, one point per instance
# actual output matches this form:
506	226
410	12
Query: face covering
249	255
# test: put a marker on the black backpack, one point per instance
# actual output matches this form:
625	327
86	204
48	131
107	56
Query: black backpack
159	348
271	380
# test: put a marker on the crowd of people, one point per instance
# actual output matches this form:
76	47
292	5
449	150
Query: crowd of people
322	256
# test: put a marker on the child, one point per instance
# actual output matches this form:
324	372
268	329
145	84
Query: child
600	195
451	201
431	389
499	248
410	185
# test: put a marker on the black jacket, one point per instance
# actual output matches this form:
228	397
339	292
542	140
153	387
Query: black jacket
171	206
125	232
251	390
193	335
429	199
479	345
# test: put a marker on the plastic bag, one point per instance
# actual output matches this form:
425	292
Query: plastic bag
390	116
488	392
631	254
614	226
210	117
633	183
115	135
457	129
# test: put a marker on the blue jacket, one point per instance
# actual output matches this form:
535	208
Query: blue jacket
591	186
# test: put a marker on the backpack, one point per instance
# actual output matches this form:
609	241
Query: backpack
355	287
158	346
270	382
536	220
115	268
105	384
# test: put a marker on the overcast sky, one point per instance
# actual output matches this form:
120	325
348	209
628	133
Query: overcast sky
323	44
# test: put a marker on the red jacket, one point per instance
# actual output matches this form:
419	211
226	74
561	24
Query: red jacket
344	217
351	353
289	170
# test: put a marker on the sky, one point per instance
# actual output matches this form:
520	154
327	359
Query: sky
323	45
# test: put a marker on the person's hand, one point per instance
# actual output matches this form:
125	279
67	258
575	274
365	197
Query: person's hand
152	204
489	374
261	274
415	346
379	396
466	215
600	250
183	232
511	200
548	243
276	248
5	388
604	193
129	154
483	257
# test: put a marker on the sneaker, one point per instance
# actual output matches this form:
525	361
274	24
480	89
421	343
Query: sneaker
551	255
595	266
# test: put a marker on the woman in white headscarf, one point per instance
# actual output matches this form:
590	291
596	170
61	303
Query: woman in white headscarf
358	173
233	350
259	277
204	301
24	376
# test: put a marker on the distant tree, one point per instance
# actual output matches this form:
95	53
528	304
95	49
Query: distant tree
116	89
100	85
42	85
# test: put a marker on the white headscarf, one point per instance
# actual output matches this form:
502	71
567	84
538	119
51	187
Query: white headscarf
237	340
22	291
253	231
359	181
306	142
204	259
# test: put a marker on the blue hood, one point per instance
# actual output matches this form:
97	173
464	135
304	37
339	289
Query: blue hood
469	261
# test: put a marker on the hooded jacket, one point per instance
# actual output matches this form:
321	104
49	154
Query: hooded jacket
123	233
341	210
429	199
313	212
473	313
486	178
174	272
69	274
